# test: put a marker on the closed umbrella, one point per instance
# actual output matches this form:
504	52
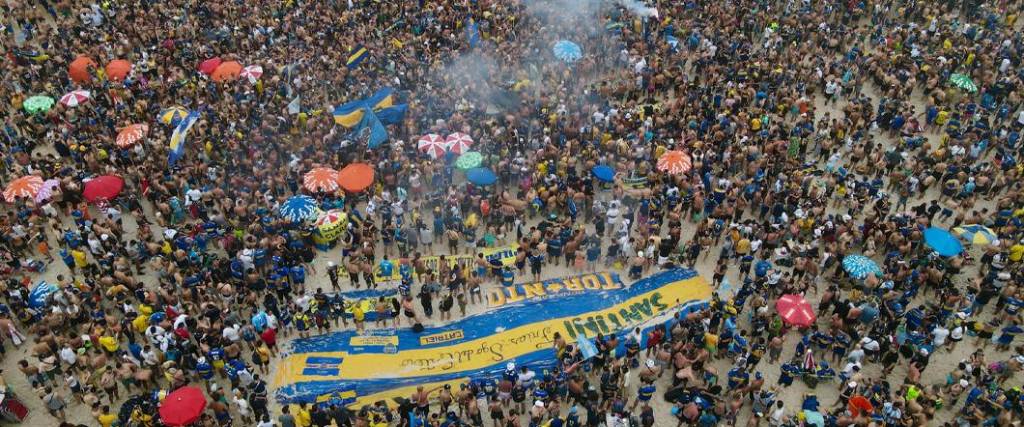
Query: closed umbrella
80	70
131	134
458	143
860	266
118	69
432	144
102	188
182	407
320	179
943	242
481	176
75	98
674	162
227	71
795	310
38	104
355	177
603	173
299	208
469	160
25	187
210	65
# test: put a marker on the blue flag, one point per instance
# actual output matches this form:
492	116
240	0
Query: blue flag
350	113
177	145
369	131
587	347
472	33
356	55
392	115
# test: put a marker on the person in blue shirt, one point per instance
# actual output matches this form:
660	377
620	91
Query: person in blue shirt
298	275
1008	334
644	393
536	261
507	276
386	267
738	377
205	370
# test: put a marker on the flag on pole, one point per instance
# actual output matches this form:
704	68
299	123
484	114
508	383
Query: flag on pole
177	145
472	33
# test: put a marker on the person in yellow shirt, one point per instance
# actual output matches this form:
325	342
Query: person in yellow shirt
711	342
1017	251
109	343
106	418
302	416
743	246
79	255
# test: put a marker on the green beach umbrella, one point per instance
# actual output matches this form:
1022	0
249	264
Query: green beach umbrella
38	104
964	82
469	160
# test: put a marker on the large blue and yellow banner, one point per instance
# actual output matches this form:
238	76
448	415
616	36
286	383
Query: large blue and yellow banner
520	325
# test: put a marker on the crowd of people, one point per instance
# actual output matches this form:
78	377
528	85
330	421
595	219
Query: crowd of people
811	132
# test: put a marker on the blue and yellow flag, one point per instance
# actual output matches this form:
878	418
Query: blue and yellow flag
177	145
370	131
350	113
356	55
472	33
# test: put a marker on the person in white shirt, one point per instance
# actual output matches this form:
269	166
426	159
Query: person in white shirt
778	416
243	406
939	334
231	333
955	335
68	356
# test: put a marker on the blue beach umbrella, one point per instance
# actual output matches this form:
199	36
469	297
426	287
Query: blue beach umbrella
481	176
299	208
37	296
603	173
859	266
943	242
567	51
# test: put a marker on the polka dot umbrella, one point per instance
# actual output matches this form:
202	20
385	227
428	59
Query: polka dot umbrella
469	160
131	134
